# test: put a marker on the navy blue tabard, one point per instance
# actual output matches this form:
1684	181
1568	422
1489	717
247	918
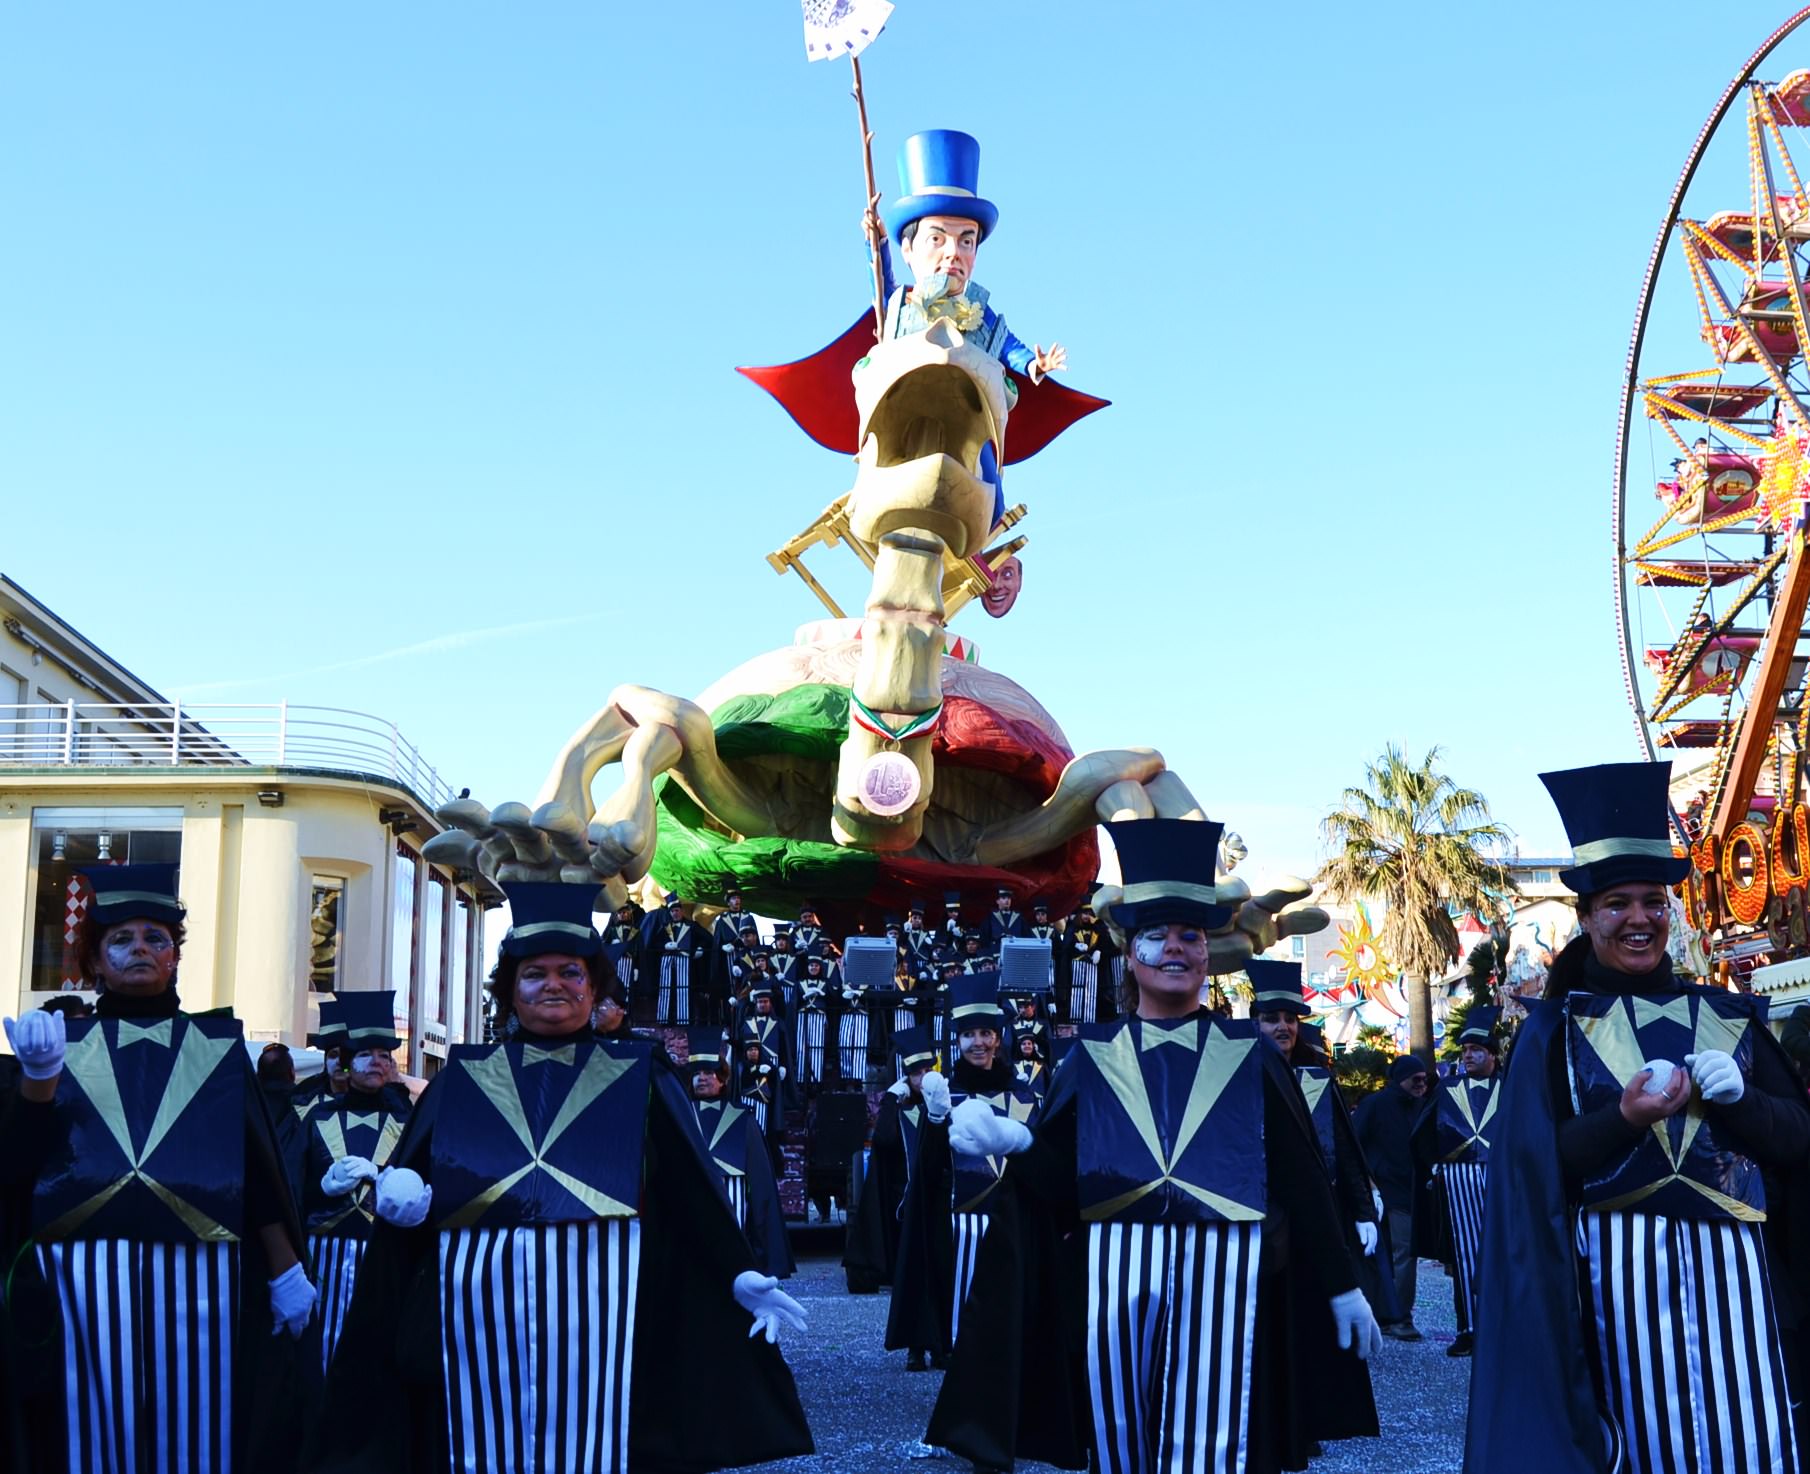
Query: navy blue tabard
1464	1116
1322	1101
529	1135
1677	1169
344	1132
975	1178
1171	1121
724	1142
152	1133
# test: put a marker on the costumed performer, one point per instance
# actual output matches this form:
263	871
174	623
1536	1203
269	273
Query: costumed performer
1643	1239
160	1309
1151	1232
351	1138
873	1235
554	1245
738	1151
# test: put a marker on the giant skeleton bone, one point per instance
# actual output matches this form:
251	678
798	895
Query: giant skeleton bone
928	404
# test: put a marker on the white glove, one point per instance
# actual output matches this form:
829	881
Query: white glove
936	1095
39	1040
1377	1199
402	1197
900	1088
1717	1076
728	946
771	1307
1096	956
1367	1238
346	1174
291	1301
977	1130
782	1072
1357	1327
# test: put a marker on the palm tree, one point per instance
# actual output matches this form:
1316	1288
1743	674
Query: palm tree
1414	840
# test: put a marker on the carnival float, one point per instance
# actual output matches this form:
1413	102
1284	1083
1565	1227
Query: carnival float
875	757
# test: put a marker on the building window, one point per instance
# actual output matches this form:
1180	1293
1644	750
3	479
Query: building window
1297	947
63	840
327	939
403	942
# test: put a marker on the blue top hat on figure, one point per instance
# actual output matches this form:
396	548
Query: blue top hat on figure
1276	987
1480	1027
133	893
939	174
1618	819
550	916
1167	869
974	1002
368	1019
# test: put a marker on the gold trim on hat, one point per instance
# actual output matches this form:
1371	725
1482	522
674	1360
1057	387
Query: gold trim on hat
1608	849
535	928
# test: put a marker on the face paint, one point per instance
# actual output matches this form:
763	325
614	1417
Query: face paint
364	1061
1148	945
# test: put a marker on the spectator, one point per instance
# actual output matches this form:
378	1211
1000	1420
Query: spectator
1384	1123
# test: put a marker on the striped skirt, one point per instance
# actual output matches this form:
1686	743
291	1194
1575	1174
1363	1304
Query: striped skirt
336	1260
1083	993
672	1005
810	1046
851	1042
148	1352
970	1229
737	1188
1687	1345
537	1340
1171	1319
1464	1186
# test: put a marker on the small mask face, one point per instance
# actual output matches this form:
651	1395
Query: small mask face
945	245
1008	583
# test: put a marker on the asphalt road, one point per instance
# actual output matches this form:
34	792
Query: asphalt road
867	1412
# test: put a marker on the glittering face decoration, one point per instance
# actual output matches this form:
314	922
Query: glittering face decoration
1477	1061
370	1069
137	958
553	993
1170	962
1628	926
1008	584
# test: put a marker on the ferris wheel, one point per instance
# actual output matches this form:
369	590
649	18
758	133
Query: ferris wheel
1712	495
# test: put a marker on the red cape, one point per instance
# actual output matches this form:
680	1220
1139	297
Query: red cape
816	392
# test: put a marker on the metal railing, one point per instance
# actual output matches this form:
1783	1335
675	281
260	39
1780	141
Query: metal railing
85	734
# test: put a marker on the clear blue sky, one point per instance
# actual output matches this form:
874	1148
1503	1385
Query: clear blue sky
337	330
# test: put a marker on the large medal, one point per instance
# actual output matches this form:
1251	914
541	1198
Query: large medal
890	783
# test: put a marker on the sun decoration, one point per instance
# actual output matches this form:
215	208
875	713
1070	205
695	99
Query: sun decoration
1357	951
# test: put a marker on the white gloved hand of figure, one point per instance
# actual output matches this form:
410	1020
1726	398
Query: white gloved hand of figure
977	1130
900	1087
1377	1199
935	1090
346	1173
1717	1075
291	1301
1095	954
402	1197
1356	1326
1367	1238
39	1040
771	1307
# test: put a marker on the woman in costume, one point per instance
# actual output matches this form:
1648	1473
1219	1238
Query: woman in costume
873	1233
160	1298
554	1243
351	1138
1152	1231
1643	1247
738	1151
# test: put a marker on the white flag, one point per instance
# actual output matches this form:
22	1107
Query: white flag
842	27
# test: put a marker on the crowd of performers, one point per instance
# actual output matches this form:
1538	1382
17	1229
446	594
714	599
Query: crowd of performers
1158	1251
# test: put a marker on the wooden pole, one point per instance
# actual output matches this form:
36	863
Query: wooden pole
873	201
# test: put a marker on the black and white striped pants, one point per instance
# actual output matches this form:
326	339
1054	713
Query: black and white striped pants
672	1005
970	1229
147	1352
1083	992
1171	1317
1464	1184
537	1339
851	1043
737	1188
810	1046
336	1261
1687	1345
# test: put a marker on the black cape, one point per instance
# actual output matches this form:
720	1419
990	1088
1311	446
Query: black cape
386	1393
1017	1386
740	1145
872	1249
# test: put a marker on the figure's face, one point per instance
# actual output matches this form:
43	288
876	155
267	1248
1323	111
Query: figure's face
1170	965
1008	583
735	903
553	993
1628	926
763	1005
371	1069
1002	903
1416	1084
1027	1048
1280	1027
137	958
676	910
947	244
1477	1061
707	1085
972	943
979	1046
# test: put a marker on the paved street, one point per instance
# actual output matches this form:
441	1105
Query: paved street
867	1411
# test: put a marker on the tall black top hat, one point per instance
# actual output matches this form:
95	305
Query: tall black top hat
368	1020
548	916
1480	1026
706	1049
1618	818
133	892
1168	868
1276	986
915	1047
332	1033
974	1001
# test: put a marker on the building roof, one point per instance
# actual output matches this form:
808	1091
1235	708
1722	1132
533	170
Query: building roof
56	639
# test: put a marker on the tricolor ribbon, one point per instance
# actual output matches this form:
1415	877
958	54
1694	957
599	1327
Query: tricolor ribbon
869	720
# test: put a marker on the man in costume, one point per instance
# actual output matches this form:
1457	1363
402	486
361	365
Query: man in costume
808	935
1452	1141
675	959
350	1141
1153	1230
1081	962
946	1208
622	945
554	1244
162	1314
738	1151
730	942
1384	1126
1005	920
873	1232
812	1024
949	932
1645	1233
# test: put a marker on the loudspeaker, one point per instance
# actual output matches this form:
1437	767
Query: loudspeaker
838	1130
